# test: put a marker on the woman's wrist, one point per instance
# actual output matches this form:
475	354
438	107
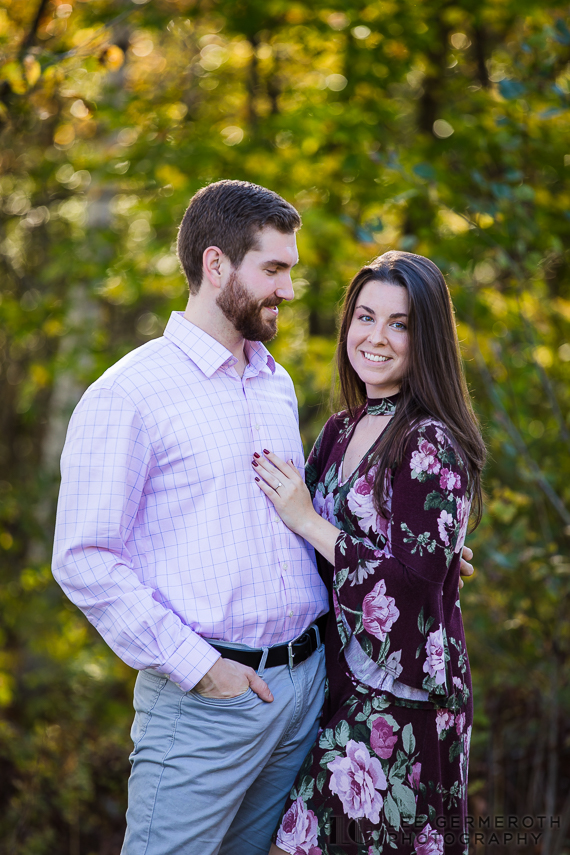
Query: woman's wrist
321	534
309	524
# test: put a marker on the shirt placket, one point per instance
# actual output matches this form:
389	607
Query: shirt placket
260	440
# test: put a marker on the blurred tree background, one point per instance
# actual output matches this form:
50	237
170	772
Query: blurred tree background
441	127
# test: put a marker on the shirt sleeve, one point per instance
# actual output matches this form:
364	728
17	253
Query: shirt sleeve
391	573
105	464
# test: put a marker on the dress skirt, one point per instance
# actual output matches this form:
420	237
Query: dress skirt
384	776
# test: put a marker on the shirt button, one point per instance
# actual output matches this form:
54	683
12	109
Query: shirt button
257	427
290	614
285	566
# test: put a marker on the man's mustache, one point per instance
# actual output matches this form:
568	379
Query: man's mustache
271	301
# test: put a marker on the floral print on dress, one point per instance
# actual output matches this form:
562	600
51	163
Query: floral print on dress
435	656
379	612
429	842
324	506
360	501
444	720
299	829
383	738
357	780
429	510
424	460
384	761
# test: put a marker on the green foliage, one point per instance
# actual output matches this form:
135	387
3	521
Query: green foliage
437	127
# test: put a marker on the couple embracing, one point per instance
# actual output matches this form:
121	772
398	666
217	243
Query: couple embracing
208	555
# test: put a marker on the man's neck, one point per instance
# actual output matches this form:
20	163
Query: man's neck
210	319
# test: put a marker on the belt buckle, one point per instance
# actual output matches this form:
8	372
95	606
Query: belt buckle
291	655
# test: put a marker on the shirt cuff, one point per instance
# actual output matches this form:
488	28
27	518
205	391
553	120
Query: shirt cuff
190	662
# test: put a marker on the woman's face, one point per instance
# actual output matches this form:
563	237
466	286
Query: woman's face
377	341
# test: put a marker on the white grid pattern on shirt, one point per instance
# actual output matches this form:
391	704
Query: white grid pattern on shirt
162	536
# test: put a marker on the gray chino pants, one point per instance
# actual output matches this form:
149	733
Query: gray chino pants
210	776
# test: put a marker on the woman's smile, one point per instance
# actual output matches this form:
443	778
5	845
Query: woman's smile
374	357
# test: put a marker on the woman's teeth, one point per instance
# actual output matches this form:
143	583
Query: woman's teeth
375	357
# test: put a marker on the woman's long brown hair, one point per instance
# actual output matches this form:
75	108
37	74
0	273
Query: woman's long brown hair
434	385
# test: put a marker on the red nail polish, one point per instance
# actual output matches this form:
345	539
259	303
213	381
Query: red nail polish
254	462
255	454
257	479
265	451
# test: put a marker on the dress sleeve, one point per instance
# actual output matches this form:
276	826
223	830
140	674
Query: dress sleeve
394	576
312	465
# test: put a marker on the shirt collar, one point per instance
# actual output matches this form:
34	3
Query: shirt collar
207	353
259	357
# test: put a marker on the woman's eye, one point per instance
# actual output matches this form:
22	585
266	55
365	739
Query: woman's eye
399	326
365	318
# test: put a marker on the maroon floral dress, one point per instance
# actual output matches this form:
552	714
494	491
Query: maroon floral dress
388	771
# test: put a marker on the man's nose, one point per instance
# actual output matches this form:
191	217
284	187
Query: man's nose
285	289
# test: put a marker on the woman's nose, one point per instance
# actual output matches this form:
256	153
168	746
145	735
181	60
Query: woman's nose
377	336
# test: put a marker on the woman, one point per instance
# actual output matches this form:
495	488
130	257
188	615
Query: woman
390	483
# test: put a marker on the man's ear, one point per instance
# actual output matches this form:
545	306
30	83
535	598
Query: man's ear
213	264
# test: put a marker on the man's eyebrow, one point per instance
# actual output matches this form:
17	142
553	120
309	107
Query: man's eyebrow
282	265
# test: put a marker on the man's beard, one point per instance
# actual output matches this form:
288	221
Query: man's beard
244	311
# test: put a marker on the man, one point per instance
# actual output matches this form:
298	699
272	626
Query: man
181	563
164	541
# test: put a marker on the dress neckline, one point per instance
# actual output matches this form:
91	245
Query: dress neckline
373	407
381	406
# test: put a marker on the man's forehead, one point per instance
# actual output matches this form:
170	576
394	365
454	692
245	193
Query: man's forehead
276	246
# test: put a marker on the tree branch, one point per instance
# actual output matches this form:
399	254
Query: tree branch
31	36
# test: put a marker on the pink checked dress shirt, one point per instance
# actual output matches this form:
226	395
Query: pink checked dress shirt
162	536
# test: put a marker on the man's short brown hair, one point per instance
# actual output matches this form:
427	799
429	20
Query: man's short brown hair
229	214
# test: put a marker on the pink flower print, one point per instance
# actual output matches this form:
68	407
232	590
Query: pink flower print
457	682
324	506
449	480
356	779
460	723
444	522
429	842
414	776
440	436
299	830
425	459
360	500
463	508
443	720
379	612
435	652
382	738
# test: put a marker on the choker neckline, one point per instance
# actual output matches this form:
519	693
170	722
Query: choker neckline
382	406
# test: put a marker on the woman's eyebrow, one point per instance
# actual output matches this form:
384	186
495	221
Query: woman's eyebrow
390	317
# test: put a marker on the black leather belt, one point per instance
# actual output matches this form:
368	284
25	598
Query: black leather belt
291	654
